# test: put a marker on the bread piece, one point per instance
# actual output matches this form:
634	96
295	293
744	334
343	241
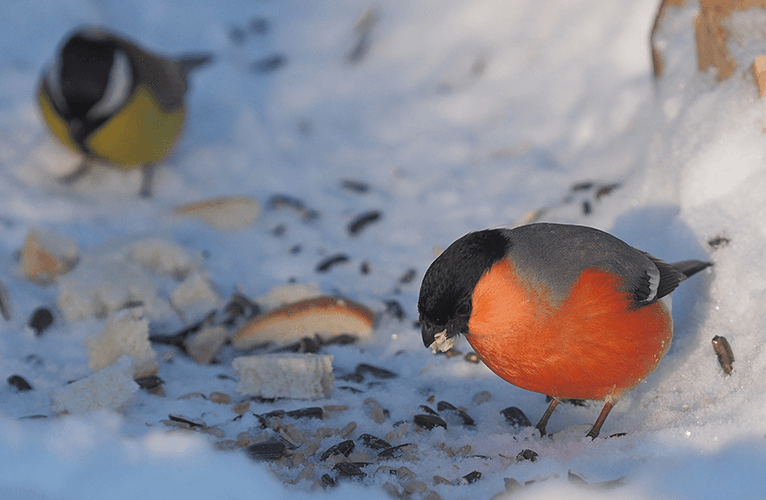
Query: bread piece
47	255
163	257
224	213
111	388
195	297
126	332
101	286
204	345
323	316
295	376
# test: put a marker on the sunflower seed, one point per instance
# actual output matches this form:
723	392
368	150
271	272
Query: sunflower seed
342	448
465	420
271	450
471	477
373	442
365	369
328	481
428	422
723	351
362	221
527	455
345	469
396	451
428	410
40	320
515	417
191	422
19	383
331	261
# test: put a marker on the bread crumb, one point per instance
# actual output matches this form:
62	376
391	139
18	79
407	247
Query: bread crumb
47	255
126	332
296	376
112	388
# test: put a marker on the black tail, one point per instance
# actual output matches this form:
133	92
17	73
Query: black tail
690	267
190	62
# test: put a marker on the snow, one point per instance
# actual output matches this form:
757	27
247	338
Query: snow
459	116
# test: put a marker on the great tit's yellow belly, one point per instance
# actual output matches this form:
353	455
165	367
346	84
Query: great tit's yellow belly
54	121
141	132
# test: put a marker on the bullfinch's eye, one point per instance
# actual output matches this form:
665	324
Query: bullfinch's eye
463	309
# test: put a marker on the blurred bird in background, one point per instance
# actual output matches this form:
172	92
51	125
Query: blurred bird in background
111	100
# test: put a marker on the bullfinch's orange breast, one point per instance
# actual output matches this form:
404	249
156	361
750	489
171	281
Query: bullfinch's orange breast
590	345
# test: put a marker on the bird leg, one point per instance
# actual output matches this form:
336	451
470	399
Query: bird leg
594	431
547	415
77	173
147	180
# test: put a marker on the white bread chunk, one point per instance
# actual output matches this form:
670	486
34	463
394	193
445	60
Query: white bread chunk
112	388
195	297
99	287
126	332
47	255
294	376
163	257
205	344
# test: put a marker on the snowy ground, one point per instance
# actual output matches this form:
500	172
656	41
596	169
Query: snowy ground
459	116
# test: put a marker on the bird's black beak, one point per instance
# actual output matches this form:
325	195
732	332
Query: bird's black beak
429	333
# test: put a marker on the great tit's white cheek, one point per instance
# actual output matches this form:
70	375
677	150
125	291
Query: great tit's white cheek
53	80
117	90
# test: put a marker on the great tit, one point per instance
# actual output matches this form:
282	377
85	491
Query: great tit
111	100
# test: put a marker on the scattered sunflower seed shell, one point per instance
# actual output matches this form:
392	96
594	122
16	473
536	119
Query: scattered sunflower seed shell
465	419
514	416
40	320
428	422
471	477
346	469
333	260
723	351
374	442
527	455
270	450
19	383
375	371
363	220
342	448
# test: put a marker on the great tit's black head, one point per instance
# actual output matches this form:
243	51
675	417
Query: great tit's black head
445	302
91	77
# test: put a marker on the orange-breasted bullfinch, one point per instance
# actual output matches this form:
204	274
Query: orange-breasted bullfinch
111	100
564	310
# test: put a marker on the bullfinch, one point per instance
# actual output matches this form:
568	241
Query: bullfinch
564	310
108	99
